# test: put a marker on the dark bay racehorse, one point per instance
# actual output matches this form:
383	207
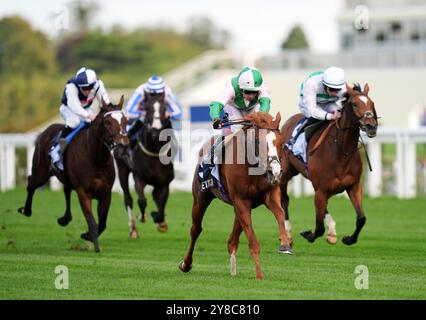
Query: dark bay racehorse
333	161
88	164
150	165
244	191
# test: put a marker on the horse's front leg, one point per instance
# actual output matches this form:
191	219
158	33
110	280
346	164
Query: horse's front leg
123	175
103	208
273	202
86	207
160	195
67	217
355	194
285	201
233	242
320	207
140	186
243	212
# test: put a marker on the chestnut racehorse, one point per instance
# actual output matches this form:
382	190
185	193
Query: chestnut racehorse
245	191
333	161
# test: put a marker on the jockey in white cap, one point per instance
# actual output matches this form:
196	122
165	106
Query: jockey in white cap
321	97
76	106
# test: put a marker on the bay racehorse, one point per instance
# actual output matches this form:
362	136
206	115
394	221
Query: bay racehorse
333	162
244	191
88	167
152	165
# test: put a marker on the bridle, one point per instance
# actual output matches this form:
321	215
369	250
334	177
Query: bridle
109	141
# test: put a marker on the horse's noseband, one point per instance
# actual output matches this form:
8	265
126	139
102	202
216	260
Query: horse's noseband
110	144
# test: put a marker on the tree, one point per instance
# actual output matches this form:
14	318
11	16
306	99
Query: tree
203	32
22	50
295	40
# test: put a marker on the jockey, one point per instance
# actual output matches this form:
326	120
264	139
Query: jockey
244	94
321	97
135	107
77	99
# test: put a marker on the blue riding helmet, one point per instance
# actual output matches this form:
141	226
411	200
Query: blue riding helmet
155	84
86	78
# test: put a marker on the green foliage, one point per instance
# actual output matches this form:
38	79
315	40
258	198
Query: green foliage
24	51
295	40
28	101
122	55
391	245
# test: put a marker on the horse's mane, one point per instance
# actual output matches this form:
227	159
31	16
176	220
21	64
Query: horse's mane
262	120
356	87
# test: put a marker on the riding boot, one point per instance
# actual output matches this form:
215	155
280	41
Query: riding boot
212	154
295	135
132	133
58	148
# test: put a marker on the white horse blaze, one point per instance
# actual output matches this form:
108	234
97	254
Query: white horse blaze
117	116
157	122
364	99
272	151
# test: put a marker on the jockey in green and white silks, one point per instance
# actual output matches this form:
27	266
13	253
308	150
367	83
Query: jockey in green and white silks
321	97
321	94
242	95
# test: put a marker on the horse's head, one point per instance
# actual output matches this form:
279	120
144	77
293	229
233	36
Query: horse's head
363	109
268	128
155	114
113	122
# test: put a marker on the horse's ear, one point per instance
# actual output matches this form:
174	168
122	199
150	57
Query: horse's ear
366	89
104	104
277	119
349	89
120	104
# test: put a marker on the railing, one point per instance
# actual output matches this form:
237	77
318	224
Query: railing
404	165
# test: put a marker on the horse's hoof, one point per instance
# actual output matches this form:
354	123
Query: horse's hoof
308	235
162	227
183	267
157	217
285	249
86	236
62	221
142	218
348	240
331	239
21	210
134	234
259	276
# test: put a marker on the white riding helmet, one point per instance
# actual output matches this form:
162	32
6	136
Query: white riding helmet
155	84
334	78
250	79
86	77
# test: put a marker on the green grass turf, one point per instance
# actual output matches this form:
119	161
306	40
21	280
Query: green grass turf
392	246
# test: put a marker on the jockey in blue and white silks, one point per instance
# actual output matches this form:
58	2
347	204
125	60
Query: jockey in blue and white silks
135	106
76	107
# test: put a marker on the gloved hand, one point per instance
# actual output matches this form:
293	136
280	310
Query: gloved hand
334	115
217	124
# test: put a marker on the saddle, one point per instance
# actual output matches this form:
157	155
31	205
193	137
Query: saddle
311	129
